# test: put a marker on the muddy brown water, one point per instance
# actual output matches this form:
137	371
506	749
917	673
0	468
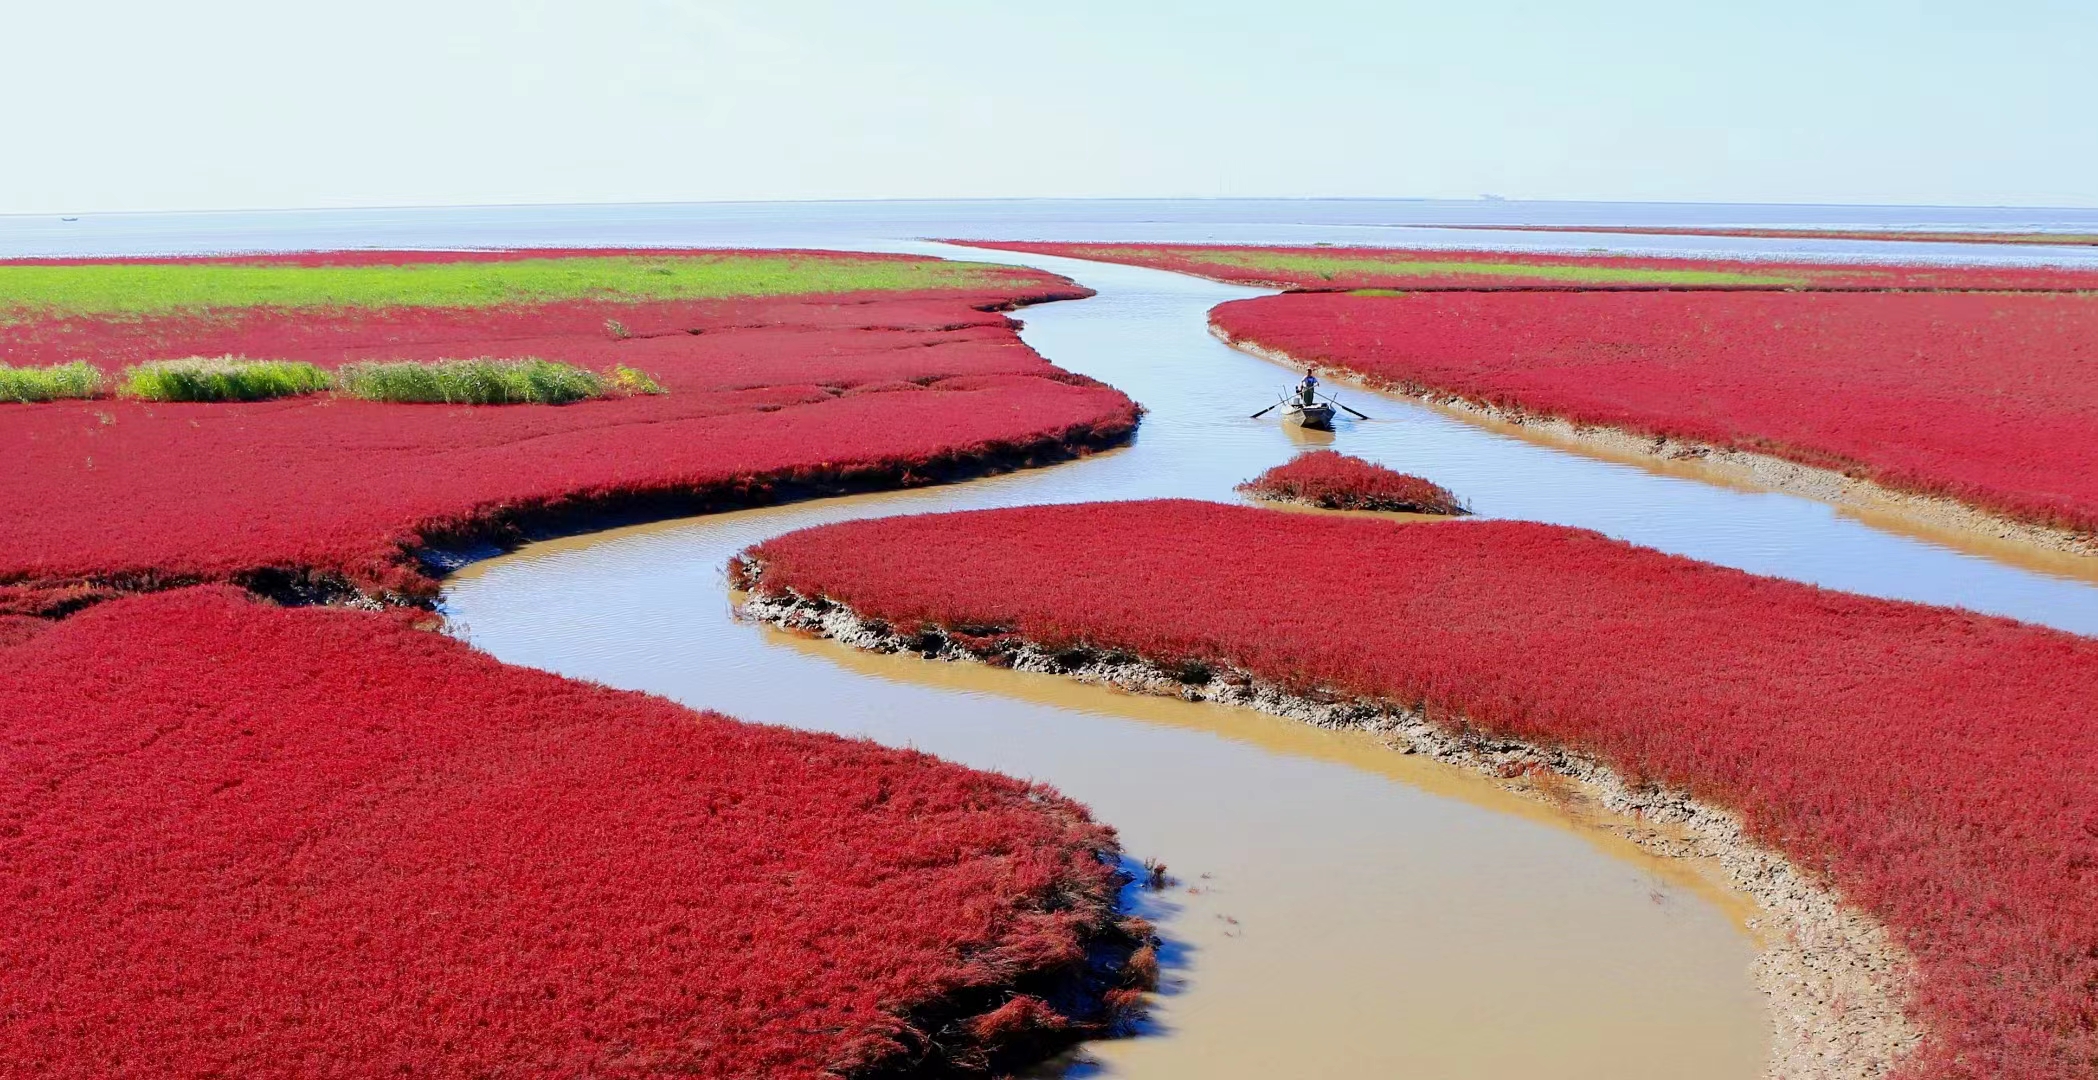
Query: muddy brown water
1342	910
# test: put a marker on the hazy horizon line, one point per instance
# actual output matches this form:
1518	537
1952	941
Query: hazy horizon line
1483	200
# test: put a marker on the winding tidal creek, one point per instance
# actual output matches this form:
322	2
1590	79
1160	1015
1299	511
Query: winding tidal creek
1340	909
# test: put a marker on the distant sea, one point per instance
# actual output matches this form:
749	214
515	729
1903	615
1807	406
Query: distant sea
896	225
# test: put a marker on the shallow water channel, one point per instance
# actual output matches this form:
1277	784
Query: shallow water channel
1342	909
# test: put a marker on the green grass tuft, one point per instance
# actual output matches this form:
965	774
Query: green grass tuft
480	381
78	379
223	378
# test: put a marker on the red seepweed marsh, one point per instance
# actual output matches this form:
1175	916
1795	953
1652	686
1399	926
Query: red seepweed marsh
1838	728
372	847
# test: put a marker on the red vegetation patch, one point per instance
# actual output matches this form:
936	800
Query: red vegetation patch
1437	268
247	841
242	840
1974	236
1940	767
1338	481
1990	399
766	398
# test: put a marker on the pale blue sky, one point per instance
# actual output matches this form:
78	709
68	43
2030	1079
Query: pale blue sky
130	105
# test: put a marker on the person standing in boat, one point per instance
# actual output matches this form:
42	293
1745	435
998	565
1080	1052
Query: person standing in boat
1308	390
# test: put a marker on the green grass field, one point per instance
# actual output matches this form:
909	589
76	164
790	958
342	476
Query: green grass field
1338	266
136	289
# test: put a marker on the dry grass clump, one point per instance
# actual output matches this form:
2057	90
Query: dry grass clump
480	381
221	378
631	381
78	379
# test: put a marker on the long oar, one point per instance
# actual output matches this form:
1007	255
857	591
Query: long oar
1263	412
1330	401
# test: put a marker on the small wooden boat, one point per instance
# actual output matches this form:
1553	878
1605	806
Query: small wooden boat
1308	408
1318	417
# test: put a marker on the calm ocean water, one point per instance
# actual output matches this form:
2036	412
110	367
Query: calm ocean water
876	225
